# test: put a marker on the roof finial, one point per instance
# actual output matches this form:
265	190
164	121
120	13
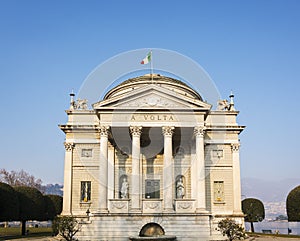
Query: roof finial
72	102
231	105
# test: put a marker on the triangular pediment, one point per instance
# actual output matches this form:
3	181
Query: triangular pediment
150	97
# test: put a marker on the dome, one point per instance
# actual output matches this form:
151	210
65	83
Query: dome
166	82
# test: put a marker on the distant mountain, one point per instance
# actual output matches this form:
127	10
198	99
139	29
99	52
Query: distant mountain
55	189
268	191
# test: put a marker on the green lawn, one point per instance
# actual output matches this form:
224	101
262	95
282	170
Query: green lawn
15	232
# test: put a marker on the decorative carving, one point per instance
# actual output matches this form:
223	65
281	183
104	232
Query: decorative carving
81	104
235	147
104	130
119	205
152	101
168	130
185	205
199	131
152	205
136	130
223	105
86	152
69	146
217	153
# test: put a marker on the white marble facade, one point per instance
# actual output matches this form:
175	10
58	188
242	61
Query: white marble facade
152	152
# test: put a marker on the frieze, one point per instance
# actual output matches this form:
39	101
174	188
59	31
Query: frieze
152	117
152	101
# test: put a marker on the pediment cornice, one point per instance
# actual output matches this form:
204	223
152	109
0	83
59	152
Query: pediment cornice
149	97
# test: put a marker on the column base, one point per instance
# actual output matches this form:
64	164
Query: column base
66	213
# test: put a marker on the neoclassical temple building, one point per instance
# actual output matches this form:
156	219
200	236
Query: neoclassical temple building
152	158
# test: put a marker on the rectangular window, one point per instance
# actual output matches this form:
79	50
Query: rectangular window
86	152
219	191
152	188
85	191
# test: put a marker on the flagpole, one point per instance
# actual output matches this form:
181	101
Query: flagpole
151	66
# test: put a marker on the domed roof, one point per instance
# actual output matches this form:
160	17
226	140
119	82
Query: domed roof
166	82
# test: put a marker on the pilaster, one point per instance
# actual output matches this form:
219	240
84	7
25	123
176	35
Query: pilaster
236	178
103	169
199	132
67	200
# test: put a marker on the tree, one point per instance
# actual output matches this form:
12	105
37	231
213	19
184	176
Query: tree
20	178
254	211
231	229
53	206
293	205
66	226
32	205
9	203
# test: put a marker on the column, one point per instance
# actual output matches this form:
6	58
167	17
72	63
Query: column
168	169
67	200
135	175
111	172
236	178
200	167
103	170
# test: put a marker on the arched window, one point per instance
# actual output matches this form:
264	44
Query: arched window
151	230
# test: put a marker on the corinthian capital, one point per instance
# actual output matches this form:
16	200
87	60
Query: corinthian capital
168	130
235	147
199	131
69	146
135	130
104	130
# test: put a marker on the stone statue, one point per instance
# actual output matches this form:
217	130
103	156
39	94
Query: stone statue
180	189
223	105
81	104
124	189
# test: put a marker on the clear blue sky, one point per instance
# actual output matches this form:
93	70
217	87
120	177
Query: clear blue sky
49	47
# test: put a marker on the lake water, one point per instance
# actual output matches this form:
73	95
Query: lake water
281	226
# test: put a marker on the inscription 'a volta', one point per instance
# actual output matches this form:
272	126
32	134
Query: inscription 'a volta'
148	117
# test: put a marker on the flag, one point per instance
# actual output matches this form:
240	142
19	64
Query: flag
147	59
